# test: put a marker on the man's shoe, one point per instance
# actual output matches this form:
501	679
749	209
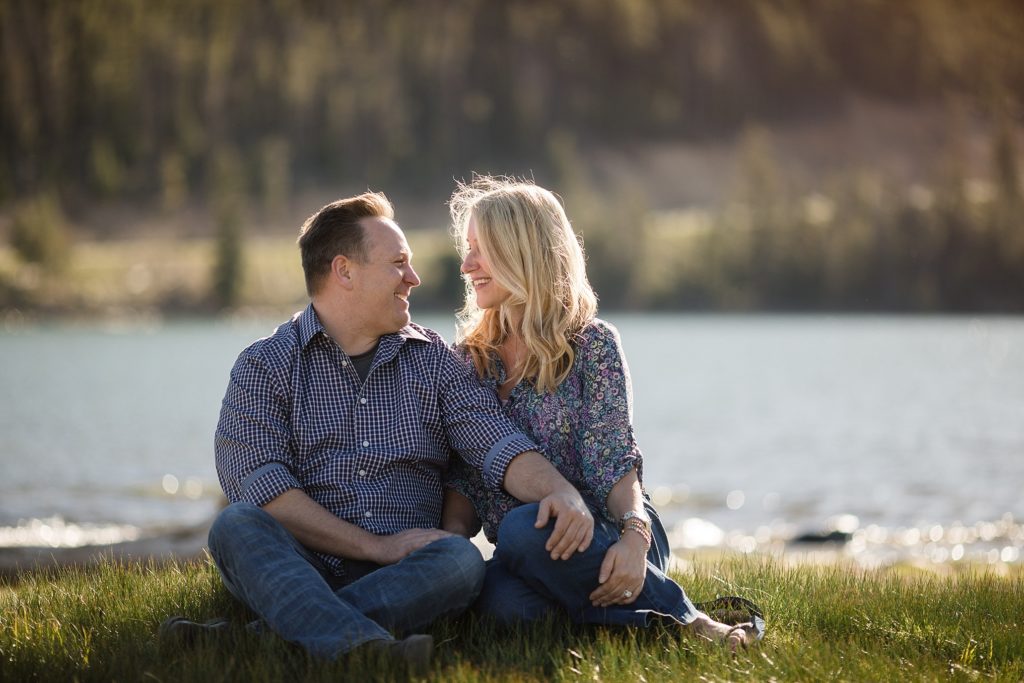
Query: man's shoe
178	633
415	650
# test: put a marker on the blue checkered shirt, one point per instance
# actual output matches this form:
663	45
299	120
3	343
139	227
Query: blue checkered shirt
374	453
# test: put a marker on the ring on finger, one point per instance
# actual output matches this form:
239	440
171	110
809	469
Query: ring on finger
627	593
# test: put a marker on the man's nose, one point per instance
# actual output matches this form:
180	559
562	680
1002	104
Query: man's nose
411	277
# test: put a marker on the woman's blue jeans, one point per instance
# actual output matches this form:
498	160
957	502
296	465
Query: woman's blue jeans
289	588
523	583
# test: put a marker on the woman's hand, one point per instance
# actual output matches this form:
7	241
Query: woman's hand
623	571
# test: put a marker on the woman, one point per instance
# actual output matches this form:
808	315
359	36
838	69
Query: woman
530	330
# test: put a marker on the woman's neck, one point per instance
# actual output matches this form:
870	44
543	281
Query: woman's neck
512	352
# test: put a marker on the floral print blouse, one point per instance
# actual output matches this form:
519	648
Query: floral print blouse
584	427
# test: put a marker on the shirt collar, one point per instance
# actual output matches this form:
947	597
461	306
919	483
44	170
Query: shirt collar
410	332
309	326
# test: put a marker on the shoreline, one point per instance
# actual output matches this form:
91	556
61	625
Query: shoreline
181	545
190	543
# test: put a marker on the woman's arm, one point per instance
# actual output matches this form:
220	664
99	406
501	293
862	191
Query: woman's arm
604	433
612	462
625	563
458	515
627	496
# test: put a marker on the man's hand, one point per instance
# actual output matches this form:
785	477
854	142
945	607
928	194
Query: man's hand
531	478
574	525
624	569
393	548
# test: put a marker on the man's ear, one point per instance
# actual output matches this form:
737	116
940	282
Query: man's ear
341	271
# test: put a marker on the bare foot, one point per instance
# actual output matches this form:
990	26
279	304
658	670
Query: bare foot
734	637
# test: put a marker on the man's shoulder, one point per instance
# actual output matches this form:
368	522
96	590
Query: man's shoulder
282	344
437	352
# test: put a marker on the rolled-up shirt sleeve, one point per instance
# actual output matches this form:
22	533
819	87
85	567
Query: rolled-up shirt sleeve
476	427
253	439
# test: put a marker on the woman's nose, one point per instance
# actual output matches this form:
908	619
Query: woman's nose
468	264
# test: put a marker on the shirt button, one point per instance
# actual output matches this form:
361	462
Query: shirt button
368	513
365	444
344	363
362	473
363	401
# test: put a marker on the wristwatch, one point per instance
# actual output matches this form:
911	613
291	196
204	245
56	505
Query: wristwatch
639	516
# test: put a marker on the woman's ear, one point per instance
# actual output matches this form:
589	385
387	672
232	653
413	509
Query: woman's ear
341	271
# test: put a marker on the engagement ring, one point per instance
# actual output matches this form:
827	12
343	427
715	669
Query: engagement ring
627	594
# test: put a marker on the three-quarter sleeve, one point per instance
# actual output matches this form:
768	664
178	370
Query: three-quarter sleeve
252	441
605	441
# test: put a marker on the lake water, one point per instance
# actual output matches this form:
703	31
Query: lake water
905	434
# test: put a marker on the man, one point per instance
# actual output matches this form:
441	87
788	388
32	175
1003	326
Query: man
333	438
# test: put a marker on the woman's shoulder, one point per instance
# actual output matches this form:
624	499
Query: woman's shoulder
598	333
462	352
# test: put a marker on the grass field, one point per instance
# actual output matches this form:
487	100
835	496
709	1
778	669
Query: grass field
832	623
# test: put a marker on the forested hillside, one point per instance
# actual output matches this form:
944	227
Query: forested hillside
236	106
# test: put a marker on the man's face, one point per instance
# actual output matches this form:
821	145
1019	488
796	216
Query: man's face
383	281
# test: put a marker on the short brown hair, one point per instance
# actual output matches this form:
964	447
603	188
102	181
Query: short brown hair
334	230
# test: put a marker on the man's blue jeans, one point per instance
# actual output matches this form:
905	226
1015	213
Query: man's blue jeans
523	583
288	587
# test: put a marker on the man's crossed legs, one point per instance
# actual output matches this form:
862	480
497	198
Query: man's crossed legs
297	598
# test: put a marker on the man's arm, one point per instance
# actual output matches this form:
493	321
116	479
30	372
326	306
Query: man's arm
473	418
530	477
318	529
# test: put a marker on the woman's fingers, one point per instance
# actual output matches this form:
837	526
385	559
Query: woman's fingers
607	566
620	581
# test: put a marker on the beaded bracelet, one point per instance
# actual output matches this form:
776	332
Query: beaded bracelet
639	527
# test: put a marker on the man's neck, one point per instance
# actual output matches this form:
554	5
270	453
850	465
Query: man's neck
345	330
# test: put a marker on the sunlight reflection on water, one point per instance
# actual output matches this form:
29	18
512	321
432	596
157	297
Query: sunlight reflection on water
905	436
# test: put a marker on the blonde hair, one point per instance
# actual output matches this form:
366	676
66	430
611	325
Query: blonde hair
524	234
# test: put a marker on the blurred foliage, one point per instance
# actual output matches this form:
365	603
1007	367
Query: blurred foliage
124	97
150	102
859	245
39	232
227	196
227	269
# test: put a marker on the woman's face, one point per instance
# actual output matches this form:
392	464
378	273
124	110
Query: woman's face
489	294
